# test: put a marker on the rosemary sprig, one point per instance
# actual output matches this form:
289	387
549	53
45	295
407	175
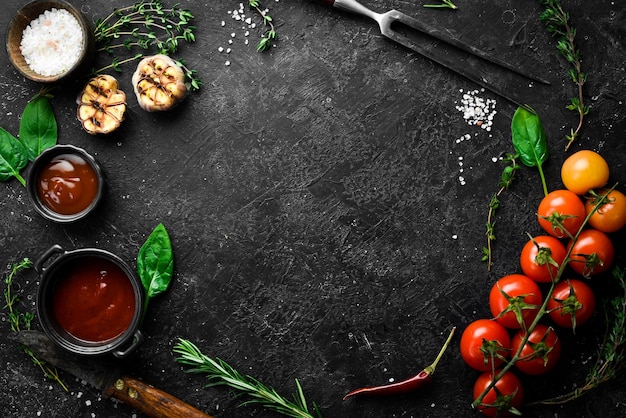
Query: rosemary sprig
611	357
558	23
506	179
270	34
445	4
19	321
149	26
220	373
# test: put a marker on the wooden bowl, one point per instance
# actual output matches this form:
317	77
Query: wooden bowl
30	12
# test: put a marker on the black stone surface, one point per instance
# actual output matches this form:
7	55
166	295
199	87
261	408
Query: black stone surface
313	197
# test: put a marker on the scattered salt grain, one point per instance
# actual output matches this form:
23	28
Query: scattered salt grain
476	110
52	43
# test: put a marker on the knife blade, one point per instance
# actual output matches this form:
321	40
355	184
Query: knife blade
105	375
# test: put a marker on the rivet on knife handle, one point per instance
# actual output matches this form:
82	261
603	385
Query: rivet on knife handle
149	400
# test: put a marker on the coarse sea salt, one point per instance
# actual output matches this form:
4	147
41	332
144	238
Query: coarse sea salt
52	43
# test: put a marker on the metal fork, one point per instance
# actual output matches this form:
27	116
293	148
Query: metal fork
385	20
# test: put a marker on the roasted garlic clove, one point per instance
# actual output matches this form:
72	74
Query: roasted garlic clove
101	105
159	83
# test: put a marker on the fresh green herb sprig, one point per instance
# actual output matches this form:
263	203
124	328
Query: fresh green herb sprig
38	131
270	34
149	26
155	265
445	4
19	321
530	141
558	24
221	373
506	179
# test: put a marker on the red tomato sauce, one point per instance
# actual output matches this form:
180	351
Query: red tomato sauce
94	301
68	184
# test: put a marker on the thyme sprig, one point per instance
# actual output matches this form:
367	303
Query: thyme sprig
149	26
19	321
611	357
558	24
445	4
220	373
270	34
506	179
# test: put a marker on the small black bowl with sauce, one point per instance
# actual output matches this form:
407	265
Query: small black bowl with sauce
65	183
89	301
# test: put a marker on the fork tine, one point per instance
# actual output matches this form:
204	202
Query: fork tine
395	16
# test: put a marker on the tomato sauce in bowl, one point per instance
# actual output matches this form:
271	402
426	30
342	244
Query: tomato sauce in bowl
89	301
67	184
94	301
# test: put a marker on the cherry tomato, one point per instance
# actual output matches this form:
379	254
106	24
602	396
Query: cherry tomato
592	253
583	171
541	352
561	213
482	341
510	394
611	214
515	295
541	258
571	297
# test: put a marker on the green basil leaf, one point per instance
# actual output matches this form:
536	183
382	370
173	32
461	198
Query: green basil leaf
38	127
13	157
155	262
529	138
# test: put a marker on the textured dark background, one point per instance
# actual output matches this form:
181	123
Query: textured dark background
312	194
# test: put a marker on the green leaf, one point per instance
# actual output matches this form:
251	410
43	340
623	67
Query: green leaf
13	157
530	141
38	127
529	138
155	262
155	265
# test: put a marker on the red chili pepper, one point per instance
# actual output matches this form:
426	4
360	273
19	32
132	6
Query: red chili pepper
408	385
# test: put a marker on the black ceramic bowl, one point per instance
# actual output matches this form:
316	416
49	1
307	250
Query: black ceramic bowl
25	16
53	197
89	301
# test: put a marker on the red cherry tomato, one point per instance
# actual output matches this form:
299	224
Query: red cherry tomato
541	352
510	394
583	171
611	214
482	341
561	213
592	253
513	295
541	258
572	303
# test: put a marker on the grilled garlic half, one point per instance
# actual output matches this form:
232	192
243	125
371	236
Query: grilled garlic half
159	83
101	105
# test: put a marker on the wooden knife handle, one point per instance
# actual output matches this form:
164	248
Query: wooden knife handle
150	401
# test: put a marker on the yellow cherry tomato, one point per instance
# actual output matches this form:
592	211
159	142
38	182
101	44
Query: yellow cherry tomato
583	171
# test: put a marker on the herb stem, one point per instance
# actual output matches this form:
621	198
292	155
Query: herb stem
446	4
147	25
557	23
21	179
221	373
21	321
